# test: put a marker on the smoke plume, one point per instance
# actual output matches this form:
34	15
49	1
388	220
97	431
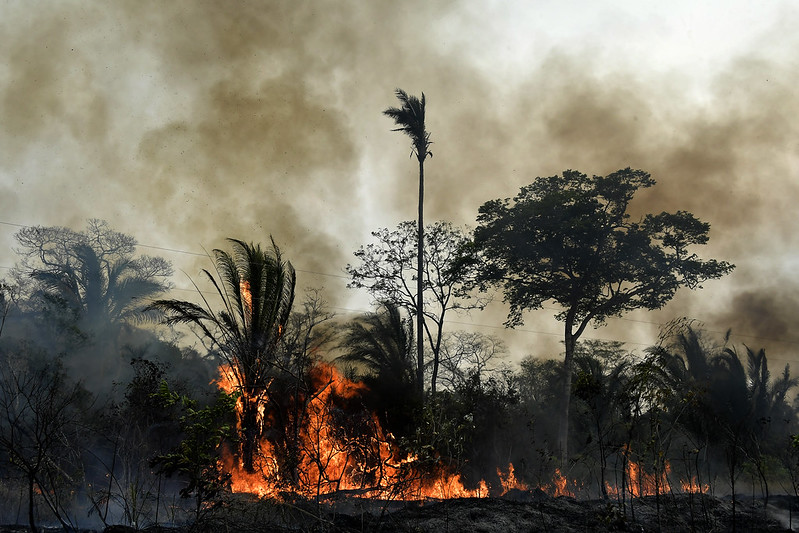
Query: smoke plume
188	122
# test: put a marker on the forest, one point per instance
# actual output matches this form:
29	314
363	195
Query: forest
109	415
123	406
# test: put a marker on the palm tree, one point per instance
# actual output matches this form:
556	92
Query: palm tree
410	119
91	275
257	291
382	344
99	290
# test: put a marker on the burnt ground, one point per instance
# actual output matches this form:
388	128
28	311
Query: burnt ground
526	512
521	512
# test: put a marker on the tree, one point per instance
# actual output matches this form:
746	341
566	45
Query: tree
381	344
386	269
204	431
40	420
92	275
468	355
256	287
411	121
569	239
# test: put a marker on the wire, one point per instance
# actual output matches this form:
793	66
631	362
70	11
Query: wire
339	276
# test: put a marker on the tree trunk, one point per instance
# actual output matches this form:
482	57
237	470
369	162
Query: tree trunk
566	393
437	350
603	460
249	428
420	285
31	493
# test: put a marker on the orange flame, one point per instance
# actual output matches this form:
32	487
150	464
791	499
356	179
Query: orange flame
643	483
331	460
694	486
373	465
246	296
509	481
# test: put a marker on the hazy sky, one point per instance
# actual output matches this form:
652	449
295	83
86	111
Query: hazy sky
183	123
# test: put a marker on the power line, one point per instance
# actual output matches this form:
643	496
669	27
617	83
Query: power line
339	276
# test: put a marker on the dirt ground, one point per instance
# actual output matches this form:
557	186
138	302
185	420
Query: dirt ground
515	512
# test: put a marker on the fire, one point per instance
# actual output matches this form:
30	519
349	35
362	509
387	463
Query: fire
246	296
643	483
560	485
694	486
340	447
509	481
330	459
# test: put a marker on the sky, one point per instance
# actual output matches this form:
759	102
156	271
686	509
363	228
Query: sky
183	123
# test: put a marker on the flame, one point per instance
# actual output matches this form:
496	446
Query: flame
694	486
643	483
560	485
246	296
371	463
509	481
331	460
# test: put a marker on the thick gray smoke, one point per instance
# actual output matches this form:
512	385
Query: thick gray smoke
184	123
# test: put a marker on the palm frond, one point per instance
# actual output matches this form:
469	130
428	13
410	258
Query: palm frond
410	118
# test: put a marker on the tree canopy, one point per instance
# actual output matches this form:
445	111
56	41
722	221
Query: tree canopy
570	239
91	274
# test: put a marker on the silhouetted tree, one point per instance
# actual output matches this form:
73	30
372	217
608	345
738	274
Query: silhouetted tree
41	412
569	239
381	345
91	275
256	288
465	354
386	271
410	118
600	383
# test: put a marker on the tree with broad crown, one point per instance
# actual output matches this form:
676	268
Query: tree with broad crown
410	119
569	239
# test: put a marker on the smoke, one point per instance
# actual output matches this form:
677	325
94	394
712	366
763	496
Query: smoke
188	122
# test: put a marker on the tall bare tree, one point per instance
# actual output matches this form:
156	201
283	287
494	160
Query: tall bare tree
41	413
411	121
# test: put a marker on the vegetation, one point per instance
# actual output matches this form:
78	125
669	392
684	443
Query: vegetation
385	270
570	239
691	415
410	117
256	288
